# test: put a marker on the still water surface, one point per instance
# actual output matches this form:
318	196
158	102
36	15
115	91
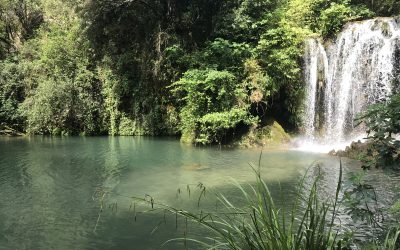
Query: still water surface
51	188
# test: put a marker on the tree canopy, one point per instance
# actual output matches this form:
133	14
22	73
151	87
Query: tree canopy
206	69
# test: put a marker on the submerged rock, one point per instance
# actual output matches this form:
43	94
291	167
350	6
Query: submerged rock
195	167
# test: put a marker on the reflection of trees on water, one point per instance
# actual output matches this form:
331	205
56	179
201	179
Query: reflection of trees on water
49	192
50	187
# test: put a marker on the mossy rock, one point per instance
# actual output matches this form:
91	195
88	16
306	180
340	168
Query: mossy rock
354	151
271	136
397	19
383	26
386	32
375	25
278	134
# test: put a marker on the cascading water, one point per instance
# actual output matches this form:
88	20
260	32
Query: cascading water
358	69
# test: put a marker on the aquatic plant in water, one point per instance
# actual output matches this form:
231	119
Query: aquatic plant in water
311	223
260	224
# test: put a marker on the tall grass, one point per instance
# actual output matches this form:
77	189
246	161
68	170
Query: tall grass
392	240
309	224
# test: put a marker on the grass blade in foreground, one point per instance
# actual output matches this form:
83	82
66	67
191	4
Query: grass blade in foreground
261	225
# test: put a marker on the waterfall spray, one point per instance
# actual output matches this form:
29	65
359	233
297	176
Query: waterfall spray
344	77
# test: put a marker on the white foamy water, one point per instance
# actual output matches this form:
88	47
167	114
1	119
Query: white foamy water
344	77
305	144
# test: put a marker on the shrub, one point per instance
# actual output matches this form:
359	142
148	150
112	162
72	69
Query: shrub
214	126
203	92
333	18
383	123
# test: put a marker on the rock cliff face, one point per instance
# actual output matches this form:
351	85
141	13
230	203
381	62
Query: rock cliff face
360	67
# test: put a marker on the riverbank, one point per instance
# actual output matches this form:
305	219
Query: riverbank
7	131
371	154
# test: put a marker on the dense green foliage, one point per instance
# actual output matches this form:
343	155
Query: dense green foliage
383	123
211	104
155	67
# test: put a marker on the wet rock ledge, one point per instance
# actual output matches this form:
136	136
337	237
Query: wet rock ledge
353	151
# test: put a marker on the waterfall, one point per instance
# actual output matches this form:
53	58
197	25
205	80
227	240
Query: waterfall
343	77
316	65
